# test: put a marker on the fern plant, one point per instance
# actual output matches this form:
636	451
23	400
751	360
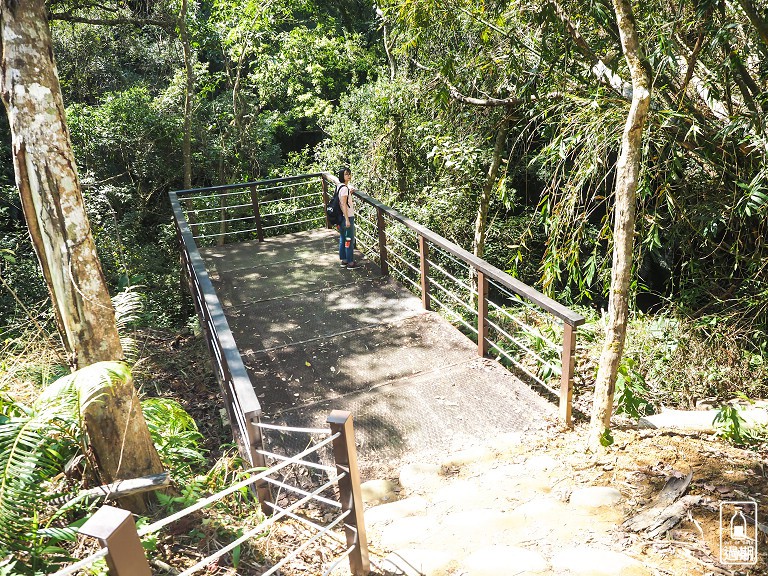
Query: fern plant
175	435
35	443
128	308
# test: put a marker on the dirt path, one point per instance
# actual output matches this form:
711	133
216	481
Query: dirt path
538	504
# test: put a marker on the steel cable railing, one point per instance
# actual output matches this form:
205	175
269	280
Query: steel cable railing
429	265
343	476
82	564
527	347
517	337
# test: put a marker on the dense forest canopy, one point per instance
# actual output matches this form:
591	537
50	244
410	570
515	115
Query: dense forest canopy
414	95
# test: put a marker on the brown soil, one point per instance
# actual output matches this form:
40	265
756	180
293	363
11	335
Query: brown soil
639	464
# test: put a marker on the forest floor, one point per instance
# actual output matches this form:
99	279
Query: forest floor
637	465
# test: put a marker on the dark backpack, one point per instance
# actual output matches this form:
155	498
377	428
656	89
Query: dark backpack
334	212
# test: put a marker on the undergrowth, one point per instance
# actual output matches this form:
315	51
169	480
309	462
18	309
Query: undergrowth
672	361
45	459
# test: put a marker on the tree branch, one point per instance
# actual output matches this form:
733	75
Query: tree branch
759	24
68	17
599	68
457	95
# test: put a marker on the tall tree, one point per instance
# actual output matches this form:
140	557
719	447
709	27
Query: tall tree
627	174
189	86
51	197
481	221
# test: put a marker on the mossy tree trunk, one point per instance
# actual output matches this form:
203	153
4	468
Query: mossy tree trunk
51	197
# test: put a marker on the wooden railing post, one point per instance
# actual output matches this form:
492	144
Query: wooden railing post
325	201
345	455
482	314
257	213
424	258
116	531
566	379
255	444
381	227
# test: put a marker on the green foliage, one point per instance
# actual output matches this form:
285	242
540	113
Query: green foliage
35	443
729	424
674	361
631	391
175	436
606	438
126	137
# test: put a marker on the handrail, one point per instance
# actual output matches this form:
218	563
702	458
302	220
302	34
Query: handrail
242	404
116	530
487	275
249	401
552	306
82	564
248	184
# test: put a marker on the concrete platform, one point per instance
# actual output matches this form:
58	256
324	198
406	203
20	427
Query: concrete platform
316	337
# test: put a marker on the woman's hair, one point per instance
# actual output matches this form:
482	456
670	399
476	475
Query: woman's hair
342	170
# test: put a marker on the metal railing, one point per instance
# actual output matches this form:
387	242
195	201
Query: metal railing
503	315
528	331
120	540
241	403
241	212
252	210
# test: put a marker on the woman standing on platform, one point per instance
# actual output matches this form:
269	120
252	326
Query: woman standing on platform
347	228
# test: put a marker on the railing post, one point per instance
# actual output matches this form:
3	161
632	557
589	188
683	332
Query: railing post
221	240
424	258
256	443
325	201
482	314
381	226
345	455
116	531
192	220
257	213
568	360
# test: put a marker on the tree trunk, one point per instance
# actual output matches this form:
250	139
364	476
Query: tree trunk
186	146
481	221
397	151
757	21
51	198
627	172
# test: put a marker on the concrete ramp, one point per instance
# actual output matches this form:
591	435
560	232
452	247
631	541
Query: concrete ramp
317	337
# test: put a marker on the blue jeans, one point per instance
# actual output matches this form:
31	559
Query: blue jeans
347	253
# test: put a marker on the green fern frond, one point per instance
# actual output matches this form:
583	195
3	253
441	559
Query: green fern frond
174	433
29	454
128	308
34	446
